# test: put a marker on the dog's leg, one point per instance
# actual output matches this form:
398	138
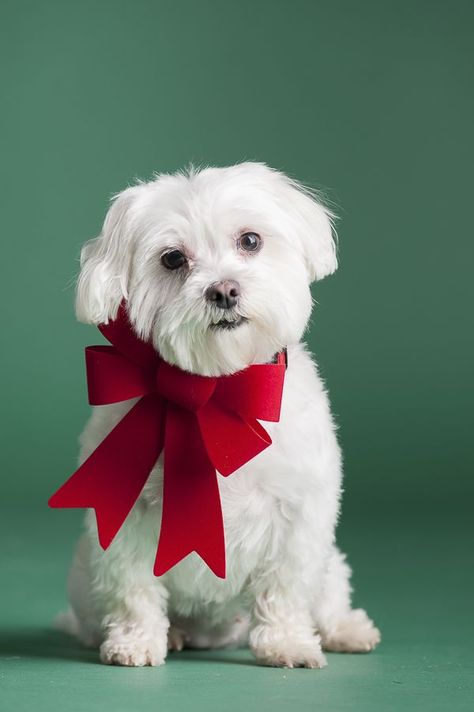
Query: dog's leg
81	619
131	602
284	633
119	595
343	629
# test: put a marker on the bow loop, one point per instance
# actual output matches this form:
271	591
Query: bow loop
255	392
112	378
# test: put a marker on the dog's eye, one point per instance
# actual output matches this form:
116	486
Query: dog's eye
174	259
250	242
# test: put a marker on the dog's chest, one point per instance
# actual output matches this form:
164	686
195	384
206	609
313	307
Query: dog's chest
249	528
262	501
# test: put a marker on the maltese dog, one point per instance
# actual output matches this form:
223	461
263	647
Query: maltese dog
215	267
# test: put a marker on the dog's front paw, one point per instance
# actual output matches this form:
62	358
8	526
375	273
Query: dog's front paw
274	648
355	633
132	651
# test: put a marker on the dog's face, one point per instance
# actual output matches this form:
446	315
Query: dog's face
215	265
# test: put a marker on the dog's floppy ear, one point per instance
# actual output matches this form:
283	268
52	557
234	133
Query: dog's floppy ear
106	262
315	229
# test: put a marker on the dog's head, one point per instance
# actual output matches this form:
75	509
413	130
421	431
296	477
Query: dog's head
215	264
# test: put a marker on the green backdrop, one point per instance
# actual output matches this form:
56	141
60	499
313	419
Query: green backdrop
371	101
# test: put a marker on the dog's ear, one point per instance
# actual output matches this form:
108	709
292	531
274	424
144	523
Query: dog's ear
106	262
314	227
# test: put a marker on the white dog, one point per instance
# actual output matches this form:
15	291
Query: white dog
215	267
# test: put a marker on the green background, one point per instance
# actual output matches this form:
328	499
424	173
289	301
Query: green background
371	101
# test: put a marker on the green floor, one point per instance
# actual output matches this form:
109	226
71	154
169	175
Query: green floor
414	575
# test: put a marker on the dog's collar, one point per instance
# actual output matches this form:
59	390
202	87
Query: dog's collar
281	357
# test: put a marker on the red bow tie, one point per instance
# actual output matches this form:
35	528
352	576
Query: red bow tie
202	424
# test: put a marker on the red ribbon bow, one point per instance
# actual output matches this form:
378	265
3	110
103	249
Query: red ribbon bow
203	424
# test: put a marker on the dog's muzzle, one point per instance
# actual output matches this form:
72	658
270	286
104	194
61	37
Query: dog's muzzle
223	295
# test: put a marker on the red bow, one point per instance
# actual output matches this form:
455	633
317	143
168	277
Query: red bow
203	424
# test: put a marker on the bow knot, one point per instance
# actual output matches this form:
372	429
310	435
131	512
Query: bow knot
186	390
201	424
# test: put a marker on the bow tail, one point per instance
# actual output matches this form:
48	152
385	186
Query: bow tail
231	440
192	515
111	479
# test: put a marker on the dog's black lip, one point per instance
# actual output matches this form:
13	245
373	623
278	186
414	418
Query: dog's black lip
227	324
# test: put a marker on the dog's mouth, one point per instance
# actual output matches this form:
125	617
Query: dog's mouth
228	324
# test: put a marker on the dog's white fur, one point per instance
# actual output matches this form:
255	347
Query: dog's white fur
287	590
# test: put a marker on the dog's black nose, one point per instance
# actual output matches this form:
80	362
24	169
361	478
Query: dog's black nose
223	294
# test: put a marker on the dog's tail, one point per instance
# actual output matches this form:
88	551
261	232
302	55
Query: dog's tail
67	622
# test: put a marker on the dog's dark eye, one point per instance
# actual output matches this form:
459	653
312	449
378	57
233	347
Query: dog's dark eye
250	242
174	259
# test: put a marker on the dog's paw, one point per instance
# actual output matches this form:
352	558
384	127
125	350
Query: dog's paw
355	633
131	652
274	649
176	638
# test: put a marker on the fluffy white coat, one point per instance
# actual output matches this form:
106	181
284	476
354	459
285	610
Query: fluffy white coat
287	591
